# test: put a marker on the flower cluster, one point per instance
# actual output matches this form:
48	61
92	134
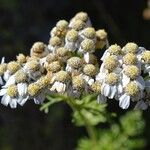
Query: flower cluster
68	65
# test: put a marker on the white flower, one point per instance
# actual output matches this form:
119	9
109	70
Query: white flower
71	40
130	73
111	87
113	50
60	84
131	92
12	96
2	70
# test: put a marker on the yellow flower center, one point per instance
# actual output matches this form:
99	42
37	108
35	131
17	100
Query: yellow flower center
62	52
90	70
132	89
146	57
51	57
3	68
55	41
101	34
110	63
62	76
81	16
72	35
132	72
20	76
114	49
75	62
62	24
33	65
54	66
38	47
87	45
130	59
78	82
131	48
21	58
96	87
89	32
44	81
78	25
33	89
12	91
112	78
13	66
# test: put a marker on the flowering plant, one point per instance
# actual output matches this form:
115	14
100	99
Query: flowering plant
67	69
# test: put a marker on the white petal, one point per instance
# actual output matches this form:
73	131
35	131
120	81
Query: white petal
113	91
22	89
10	81
124	101
91	81
3	60
6	75
141	105
125	80
3	91
106	53
86	57
1	81
141	83
60	87
13	103
106	90
120	89
39	99
22	101
5	100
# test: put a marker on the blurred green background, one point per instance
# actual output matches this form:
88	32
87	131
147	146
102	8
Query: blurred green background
24	22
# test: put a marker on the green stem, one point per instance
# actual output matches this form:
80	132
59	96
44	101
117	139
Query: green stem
90	129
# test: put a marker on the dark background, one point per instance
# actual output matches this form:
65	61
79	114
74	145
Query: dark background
24	22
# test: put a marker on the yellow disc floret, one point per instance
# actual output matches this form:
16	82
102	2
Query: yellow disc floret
90	70
72	35
12	91
62	24
112	78
96	87
13	66
51	57
81	16
55	41
78	82
130	59
62	51
146	57
87	45
131	48
89	32
114	49
33	65
33	89
110	63
54	66
131	71
3	68
21	58
78	25
132	89
20	76
43	81
62	76
101	34
38	47
75	62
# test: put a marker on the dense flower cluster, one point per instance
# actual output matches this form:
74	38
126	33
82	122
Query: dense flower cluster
68	65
